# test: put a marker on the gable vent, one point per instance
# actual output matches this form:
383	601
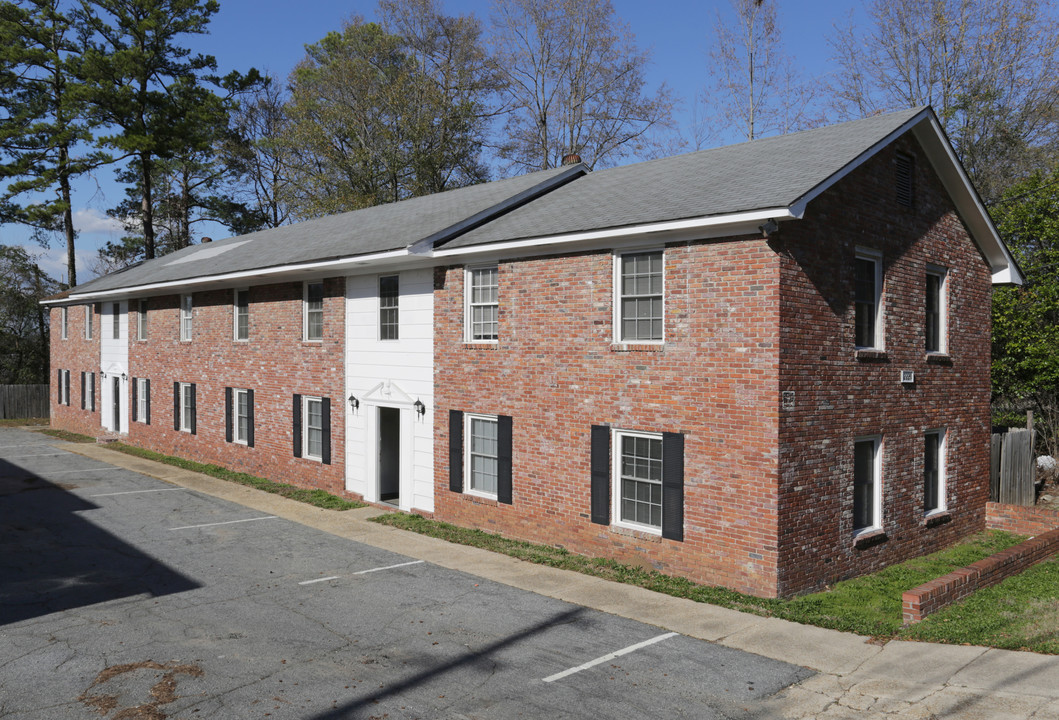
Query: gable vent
904	166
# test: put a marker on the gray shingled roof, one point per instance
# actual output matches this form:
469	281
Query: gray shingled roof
774	172
767	173
376	229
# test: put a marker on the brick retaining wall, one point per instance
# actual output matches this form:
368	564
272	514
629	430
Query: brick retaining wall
928	598
1020	520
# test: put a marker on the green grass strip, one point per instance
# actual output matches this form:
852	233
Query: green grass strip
67	435
19	422
868	605
318	498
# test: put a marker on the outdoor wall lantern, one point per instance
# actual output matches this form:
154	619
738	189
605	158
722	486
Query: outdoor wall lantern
421	409
353	403
124	376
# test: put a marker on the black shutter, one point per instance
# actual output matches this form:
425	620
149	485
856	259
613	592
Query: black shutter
82	389
176	405
297	426
325	411
194	410
67	388
673	486
59	384
503	459
135	405
250	418
456	451
228	414
147	401
601	474
93	393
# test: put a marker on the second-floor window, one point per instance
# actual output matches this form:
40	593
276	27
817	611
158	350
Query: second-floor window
241	319
314	311
186	309
64	324
115	315
868	300
88	322
389	293
483	304
934	322
141	321
640	297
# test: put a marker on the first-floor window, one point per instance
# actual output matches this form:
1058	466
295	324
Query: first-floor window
639	479
184	407
141	400
88	391
239	416
933	471
312	427
63	379
482	465
867	496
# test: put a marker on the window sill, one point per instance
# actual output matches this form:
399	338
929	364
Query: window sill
494	345
937	518
645	535
939	359
869	538
871	355
476	499
637	347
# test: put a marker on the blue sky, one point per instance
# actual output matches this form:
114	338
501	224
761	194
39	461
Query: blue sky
271	35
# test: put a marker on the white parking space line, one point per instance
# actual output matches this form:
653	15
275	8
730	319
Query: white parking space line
609	656
389	567
136	492
227	522
19	457
310	582
26	445
64	472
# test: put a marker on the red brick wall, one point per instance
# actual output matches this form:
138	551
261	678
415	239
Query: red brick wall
1019	519
275	363
77	355
839	397
930	597
555	372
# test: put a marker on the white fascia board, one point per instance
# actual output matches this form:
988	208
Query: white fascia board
969	206
799	207
235	277
713	226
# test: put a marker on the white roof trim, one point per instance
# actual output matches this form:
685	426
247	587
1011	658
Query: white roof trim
637	231
336	264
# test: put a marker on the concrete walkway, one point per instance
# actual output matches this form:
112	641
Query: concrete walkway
857	678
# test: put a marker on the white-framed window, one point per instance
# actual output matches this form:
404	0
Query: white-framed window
64	323
115	321
143	398
935	326
482	303
867	484
187	406
934	500
482	466
186	316
867	300
640	297
638	480
141	321
240	415
88	321
90	392
64	387
389	297
313	315
241	314
313	428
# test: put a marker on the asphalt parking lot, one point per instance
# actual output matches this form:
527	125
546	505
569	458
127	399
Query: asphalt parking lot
125	596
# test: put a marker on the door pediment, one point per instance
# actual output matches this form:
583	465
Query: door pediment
387	393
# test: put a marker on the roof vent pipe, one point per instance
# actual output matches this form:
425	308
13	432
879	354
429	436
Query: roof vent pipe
571	159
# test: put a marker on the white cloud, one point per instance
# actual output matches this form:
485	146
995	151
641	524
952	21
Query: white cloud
52	262
90	220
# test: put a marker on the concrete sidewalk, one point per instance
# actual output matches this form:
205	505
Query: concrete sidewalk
857	678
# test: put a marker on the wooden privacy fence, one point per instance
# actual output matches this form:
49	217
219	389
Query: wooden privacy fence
24	401
1012	468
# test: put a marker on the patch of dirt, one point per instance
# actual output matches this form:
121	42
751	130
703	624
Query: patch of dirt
162	692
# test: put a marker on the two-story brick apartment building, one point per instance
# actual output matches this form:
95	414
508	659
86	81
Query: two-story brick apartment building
764	366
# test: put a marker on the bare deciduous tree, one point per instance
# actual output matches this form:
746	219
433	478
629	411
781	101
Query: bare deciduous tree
756	88
990	68
574	84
